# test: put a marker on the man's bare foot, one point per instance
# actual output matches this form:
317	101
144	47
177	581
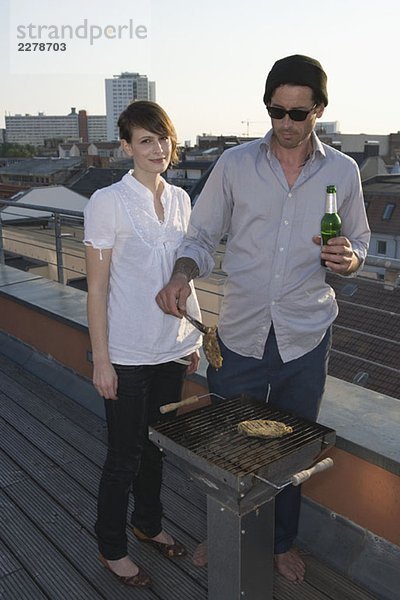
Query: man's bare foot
123	567
290	565
200	557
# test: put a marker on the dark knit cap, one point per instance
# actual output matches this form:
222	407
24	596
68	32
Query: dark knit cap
297	70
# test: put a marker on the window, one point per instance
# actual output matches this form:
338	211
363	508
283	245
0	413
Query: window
381	247
388	212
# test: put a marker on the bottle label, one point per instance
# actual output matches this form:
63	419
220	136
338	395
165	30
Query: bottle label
331	204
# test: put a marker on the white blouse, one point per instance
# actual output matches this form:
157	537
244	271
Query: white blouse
122	217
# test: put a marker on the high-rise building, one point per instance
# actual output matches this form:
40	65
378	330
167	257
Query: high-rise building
35	129
121	91
97	128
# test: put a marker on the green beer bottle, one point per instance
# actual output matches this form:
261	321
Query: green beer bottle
330	223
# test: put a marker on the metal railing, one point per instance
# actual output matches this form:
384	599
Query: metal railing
59	218
49	225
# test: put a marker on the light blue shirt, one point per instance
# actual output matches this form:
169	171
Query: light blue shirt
273	266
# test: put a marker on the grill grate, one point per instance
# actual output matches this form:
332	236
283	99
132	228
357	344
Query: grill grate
211	433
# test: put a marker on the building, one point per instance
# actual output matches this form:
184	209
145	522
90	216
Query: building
36	129
351	143
327	127
394	146
100	154
220	142
97	128
94	178
120	91
36	172
188	173
382	201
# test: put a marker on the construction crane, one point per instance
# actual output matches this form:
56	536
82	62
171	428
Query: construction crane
248	123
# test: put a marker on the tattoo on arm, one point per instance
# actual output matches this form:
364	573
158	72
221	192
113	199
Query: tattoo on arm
186	266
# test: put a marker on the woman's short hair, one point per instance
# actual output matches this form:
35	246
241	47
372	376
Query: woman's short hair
150	116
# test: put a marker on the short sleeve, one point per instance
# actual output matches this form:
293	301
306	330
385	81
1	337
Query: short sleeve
99	219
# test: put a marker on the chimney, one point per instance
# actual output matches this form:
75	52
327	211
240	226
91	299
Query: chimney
83	126
371	148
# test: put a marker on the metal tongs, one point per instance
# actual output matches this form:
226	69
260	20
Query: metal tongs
211	346
198	324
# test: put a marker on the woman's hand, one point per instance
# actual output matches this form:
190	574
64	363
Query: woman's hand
105	380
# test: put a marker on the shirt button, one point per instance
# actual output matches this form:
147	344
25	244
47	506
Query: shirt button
273	303
286	222
289	195
281	249
277	275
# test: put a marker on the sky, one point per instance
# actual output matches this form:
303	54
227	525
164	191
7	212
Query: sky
209	58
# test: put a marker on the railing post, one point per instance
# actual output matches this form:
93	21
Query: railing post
2	257
57	232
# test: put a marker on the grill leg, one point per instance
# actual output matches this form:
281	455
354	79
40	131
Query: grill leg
240	552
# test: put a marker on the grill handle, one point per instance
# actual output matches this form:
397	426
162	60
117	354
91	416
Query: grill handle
302	476
166	408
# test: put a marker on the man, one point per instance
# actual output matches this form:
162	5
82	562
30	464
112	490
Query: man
268	197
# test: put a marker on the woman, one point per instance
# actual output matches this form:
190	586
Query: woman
132	230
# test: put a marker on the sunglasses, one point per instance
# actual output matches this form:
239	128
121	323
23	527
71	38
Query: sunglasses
296	114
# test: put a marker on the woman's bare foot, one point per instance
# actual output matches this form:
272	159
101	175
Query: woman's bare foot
200	557
163	538
290	565
163	542
123	567
126	571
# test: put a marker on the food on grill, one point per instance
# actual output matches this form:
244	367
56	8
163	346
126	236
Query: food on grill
264	428
211	348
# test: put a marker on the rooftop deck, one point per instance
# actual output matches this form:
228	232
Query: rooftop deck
51	452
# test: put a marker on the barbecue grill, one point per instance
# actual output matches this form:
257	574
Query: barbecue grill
241	477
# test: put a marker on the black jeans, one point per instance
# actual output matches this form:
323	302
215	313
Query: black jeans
133	462
296	386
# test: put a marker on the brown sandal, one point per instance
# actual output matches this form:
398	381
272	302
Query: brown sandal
168	550
141	579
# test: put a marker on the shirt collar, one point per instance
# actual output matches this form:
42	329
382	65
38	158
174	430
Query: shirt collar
139	187
318	147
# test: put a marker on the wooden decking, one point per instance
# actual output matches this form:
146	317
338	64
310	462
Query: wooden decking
51	452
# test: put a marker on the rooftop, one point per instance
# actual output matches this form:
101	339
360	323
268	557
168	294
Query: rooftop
51	452
57	196
366	334
95	178
366	343
383	184
40	166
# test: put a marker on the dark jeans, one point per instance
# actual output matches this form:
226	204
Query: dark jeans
133	462
296	386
